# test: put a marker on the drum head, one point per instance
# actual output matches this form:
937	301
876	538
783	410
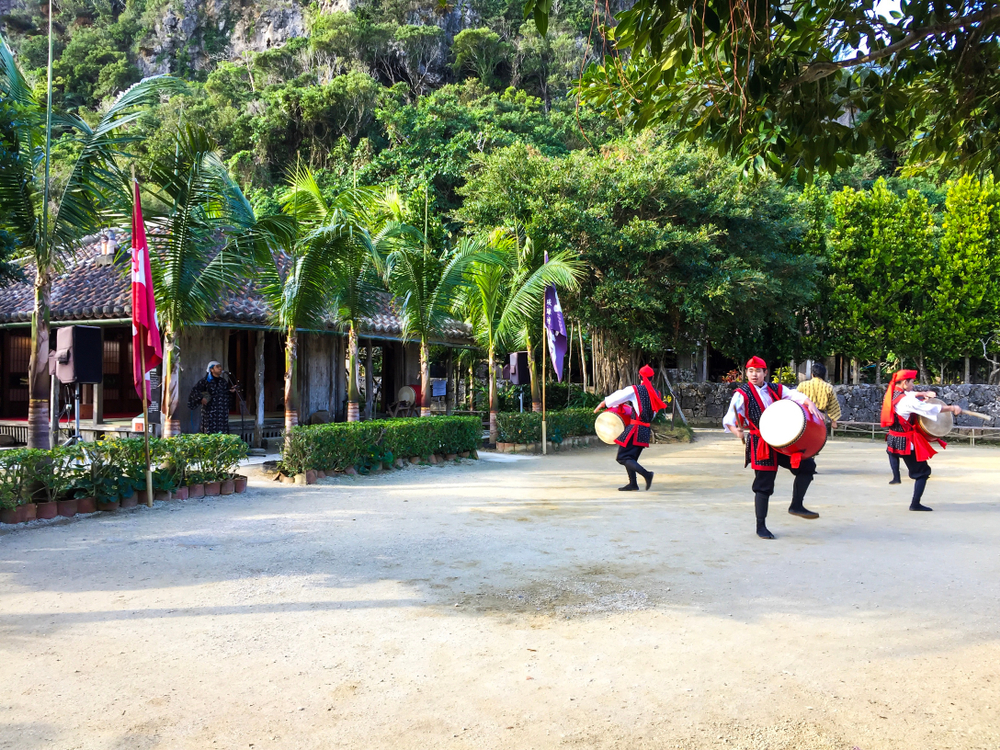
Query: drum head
937	427
406	394
608	426
782	423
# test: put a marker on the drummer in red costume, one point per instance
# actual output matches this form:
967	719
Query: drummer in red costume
745	409
644	402
901	408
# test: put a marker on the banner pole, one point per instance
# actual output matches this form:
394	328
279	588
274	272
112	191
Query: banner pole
545	356
145	427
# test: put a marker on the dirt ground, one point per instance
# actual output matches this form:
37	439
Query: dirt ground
518	603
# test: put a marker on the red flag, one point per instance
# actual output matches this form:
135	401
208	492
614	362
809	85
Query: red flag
146	345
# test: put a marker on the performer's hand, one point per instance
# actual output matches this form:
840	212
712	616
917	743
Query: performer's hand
928	394
833	423
813	410
956	410
739	433
598	407
204	402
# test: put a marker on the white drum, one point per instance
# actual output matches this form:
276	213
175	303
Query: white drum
608	426
406	394
782	423
938	426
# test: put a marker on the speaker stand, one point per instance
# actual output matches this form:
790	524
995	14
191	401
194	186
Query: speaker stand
75	437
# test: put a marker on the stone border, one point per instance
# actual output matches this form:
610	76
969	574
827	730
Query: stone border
570	442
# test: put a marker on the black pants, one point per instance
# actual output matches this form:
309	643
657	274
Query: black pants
894	465
628	456
919	471
763	483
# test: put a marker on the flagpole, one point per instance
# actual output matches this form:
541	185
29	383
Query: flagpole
545	356
145	392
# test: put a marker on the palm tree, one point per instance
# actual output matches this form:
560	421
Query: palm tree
207	237
51	229
346	234
426	285
502	296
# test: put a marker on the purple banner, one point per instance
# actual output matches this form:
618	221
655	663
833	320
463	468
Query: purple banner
555	327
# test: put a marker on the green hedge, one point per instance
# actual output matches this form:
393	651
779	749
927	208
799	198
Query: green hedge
526	427
365	444
109	469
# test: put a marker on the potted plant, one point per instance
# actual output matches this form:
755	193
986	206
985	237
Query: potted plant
11	481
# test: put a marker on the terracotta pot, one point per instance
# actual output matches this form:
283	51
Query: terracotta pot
464	454
28	512
196	490
11	515
451	456
66	508
131	501
311	476
227	487
285	479
181	493
108	506
320	474
140	498
86	505
46	510
211	489
241	484
161	495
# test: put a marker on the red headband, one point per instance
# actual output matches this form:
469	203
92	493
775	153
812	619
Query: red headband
886	417
646	373
757	362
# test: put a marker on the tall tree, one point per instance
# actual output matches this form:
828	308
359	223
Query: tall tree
344	234
502	295
50	229
801	86
207	235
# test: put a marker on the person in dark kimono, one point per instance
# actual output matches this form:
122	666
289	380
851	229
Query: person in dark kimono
743	419
645	402
211	393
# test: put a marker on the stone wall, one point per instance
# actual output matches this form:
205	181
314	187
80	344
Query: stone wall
707	403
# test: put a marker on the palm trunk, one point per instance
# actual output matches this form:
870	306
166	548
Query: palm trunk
353	394
171	383
492	379
39	381
291	383
536	394
425	378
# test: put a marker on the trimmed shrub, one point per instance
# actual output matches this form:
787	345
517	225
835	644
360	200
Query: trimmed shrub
526	427
363	444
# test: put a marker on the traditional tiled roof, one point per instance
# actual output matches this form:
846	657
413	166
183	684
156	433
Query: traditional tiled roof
93	286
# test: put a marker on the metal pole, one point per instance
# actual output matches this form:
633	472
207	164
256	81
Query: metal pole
545	354
145	426
76	411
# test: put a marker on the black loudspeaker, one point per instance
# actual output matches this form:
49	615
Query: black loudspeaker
519	372
79	356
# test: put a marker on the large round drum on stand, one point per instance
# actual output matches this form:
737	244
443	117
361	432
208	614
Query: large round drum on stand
939	427
608	426
789	428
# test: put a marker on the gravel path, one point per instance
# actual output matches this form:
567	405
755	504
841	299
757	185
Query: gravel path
518	604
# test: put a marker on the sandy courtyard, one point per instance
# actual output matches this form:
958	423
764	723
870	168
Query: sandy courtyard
519	604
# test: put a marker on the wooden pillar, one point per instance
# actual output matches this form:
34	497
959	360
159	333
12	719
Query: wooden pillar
369	381
450	384
98	416
258	421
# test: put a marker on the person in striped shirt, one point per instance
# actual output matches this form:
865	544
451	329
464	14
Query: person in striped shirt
821	393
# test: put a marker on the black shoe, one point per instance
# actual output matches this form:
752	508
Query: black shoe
803	512
918	506
629	488
896	481
763	533
649	479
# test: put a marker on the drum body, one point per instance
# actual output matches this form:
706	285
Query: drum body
608	426
936	428
790	429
